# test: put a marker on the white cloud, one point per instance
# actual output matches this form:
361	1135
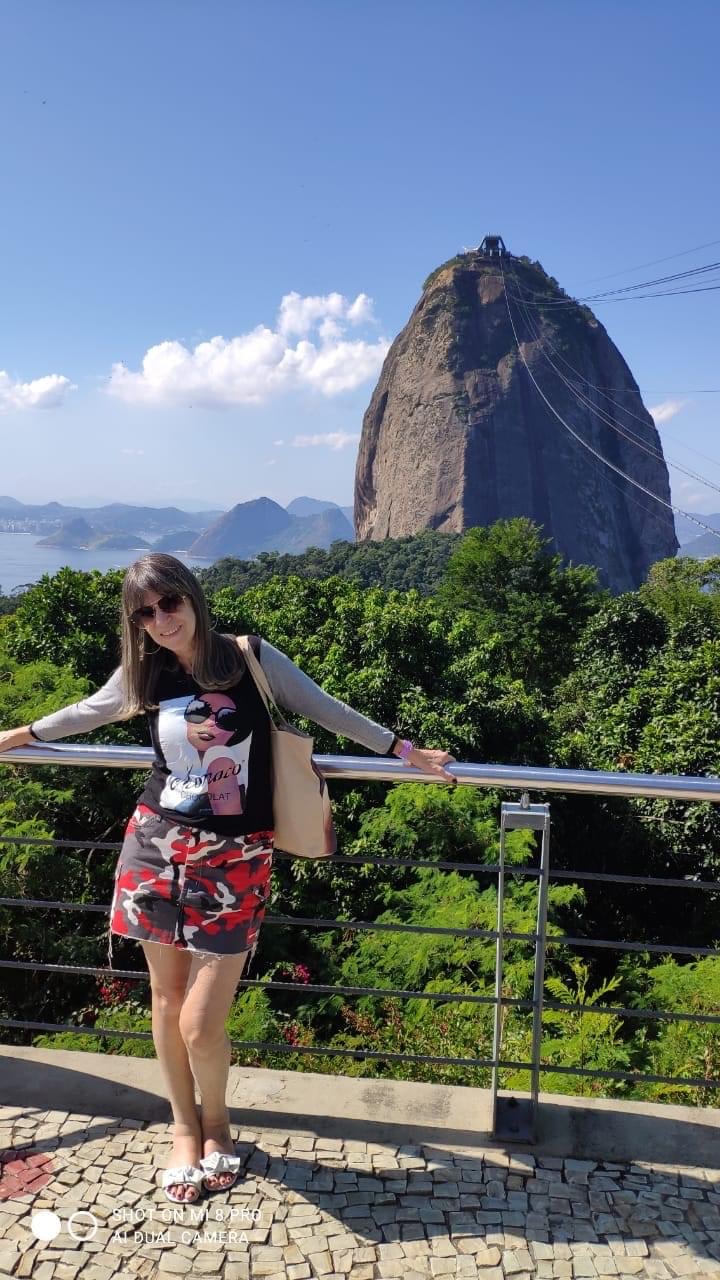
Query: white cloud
665	411
331	440
134	453
686	494
361	310
42	393
255	366
301	315
330	330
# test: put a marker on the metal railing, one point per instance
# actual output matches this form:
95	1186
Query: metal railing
513	1118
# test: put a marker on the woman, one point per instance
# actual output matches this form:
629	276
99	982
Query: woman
193	873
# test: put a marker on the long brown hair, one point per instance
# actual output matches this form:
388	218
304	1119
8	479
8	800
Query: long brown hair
217	660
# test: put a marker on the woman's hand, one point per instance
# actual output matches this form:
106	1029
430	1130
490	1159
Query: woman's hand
430	761
10	738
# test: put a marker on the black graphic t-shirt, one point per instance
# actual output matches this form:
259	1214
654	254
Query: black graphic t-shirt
213	764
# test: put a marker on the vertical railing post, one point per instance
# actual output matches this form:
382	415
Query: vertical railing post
515	1119
539	975
498	1021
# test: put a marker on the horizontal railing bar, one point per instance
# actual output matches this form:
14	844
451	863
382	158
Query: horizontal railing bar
660	1015
439	997
654	948
57	905
660	882
634	1077
380	769
61	844
305	921
484	868
327	1051
490	868
510	935
282	1046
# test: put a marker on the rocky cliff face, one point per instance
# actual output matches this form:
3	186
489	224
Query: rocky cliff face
457	434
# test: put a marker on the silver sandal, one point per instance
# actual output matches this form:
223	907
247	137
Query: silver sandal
220	1162
188	1173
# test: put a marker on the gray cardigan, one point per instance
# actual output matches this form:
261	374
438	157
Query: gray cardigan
291	688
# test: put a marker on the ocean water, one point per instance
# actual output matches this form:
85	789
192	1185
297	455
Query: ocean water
22	561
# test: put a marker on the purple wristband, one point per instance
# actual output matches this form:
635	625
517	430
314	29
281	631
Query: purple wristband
406	746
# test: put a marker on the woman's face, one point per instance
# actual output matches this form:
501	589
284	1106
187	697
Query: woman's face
173	631
206	724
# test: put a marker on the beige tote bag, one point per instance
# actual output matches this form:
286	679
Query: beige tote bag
301	804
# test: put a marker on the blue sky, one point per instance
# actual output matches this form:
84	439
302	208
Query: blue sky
174	169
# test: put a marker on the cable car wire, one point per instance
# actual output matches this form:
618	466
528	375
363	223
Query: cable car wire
677	276
604	390
625	432
618	470
655	261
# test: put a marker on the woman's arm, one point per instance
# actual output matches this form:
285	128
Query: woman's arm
102	707
295	690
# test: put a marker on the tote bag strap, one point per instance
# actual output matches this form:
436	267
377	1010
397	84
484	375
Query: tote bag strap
248	651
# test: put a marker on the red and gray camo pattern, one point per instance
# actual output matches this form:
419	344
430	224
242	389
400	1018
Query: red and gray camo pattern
190	888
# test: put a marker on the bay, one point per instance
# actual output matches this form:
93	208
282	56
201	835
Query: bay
23	561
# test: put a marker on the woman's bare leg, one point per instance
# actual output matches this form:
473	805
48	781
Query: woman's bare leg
169	971
211	987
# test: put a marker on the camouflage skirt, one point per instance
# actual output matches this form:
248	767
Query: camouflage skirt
190	888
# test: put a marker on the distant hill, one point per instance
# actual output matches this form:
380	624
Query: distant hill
707	544
115	517
687	532
313	506
73	533
248	525
79	535
263	525
308	506
247	529
320	530
180	541
120	542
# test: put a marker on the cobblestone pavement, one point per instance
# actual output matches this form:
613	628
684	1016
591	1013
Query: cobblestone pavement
339	1210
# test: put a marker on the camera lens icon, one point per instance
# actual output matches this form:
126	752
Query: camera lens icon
45	1224
82	1225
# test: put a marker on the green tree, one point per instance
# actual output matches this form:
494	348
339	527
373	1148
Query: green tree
416	562
580	1039
690	1049
504	574
71	619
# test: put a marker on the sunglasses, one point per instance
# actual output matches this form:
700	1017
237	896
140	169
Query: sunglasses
146	613
197	712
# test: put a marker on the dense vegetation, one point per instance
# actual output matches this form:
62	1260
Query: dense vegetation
503	655
400	563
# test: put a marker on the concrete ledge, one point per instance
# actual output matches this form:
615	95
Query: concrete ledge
396	1111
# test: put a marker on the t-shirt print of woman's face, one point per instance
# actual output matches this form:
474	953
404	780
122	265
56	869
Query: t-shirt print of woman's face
201	738
212	720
